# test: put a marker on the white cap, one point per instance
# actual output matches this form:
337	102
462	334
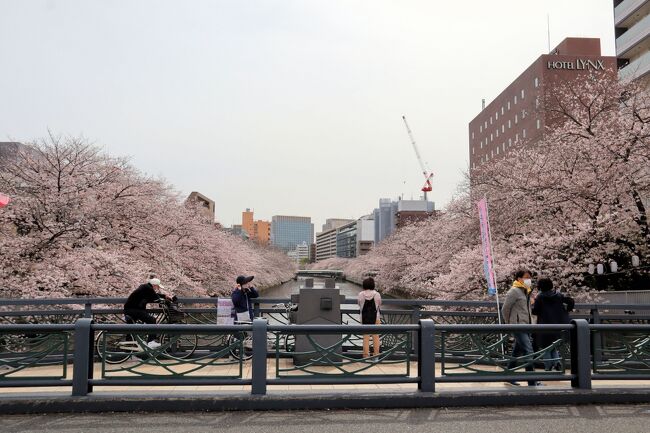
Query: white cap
156	282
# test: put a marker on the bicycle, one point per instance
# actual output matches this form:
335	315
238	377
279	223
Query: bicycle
241	343
118	348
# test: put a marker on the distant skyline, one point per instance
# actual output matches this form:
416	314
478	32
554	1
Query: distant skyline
284	107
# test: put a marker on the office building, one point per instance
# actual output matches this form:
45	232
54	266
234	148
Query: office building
287	232
346	240
259	231
632	31
365	234
206	205
521	114
393	214
300	252
325	245
334	223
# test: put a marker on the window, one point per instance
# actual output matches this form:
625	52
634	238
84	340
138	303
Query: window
508	105
496	116
516	137
523	114
536	82
497	133
503	128
472	135
480	128
504	146
516	119
497	150
524	132
492	154
491	138
472	150
485	125
536	101
490	120
522	93
487	158
481	144
539	124
501	110
509	124
515	99
473	165
509	142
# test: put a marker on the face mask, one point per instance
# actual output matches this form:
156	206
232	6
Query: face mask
528	282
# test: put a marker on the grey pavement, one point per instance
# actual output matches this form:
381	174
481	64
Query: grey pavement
571	419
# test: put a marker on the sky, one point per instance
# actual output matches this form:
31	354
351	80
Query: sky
288	107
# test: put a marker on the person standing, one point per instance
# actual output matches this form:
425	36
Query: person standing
516	310
136	305
551	307
241	298
369	301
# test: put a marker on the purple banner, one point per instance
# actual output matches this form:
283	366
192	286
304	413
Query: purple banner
486	247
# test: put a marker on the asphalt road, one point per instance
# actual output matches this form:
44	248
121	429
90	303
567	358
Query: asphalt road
555	419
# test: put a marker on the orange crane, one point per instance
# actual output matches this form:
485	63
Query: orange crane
427	174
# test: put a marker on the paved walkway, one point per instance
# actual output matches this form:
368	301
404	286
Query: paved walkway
574	419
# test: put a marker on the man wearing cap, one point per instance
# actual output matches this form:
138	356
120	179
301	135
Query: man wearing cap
136	305
241	298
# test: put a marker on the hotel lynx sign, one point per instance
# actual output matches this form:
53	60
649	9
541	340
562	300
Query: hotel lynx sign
578	65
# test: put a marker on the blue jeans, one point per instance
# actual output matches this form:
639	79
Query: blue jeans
523	346
551	358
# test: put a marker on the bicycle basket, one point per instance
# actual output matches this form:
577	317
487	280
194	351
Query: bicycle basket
176	315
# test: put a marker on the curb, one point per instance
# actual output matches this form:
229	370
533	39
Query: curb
236	401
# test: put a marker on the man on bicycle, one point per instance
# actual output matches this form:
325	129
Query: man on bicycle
241	298
136	306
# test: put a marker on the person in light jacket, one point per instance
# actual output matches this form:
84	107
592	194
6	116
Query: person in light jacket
369	301
516	310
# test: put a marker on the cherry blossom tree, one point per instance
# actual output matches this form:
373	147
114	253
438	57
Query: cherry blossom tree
573	198
83	223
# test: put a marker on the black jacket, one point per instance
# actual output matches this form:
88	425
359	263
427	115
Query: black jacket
141	296
551	308
241	300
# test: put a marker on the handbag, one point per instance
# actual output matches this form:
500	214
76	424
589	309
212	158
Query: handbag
244	317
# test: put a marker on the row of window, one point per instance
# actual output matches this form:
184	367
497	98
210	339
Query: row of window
538	125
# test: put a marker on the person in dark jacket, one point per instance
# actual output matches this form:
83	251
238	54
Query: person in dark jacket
551	307
241	298
136	306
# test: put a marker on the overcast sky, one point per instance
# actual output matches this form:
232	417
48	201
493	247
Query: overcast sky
286	107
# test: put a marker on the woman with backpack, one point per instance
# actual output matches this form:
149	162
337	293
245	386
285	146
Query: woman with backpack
369	302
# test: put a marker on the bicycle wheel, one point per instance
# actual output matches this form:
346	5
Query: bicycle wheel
114	348
289	343
241	345
179	346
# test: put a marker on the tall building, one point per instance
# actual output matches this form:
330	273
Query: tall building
346	240
632	31
300	252
325	245
206	204
521	112
259	230
393	214
334	223
289	231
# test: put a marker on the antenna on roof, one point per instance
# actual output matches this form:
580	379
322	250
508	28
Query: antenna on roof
548	31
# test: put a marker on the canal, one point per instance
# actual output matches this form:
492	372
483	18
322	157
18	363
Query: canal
350	290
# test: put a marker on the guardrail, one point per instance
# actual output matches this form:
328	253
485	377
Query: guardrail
623	353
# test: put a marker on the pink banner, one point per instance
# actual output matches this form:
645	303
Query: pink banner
486	247
4	200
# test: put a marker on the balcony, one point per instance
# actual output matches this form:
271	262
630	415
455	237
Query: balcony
635	34
636	69
624	10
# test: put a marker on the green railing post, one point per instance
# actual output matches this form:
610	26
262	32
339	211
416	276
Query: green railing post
83	357
258	373
596	337
88	311
581	354
427	356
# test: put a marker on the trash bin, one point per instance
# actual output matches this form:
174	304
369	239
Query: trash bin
317	307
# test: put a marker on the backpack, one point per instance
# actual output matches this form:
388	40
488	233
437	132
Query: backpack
369	312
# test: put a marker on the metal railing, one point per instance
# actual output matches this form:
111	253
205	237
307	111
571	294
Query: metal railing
623	352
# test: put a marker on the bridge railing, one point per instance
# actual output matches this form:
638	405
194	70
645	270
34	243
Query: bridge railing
277	357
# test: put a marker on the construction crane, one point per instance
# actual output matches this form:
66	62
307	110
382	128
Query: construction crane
427	174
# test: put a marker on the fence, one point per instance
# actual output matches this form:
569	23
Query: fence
624	353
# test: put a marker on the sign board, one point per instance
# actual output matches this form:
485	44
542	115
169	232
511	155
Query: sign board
224	311
577	64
